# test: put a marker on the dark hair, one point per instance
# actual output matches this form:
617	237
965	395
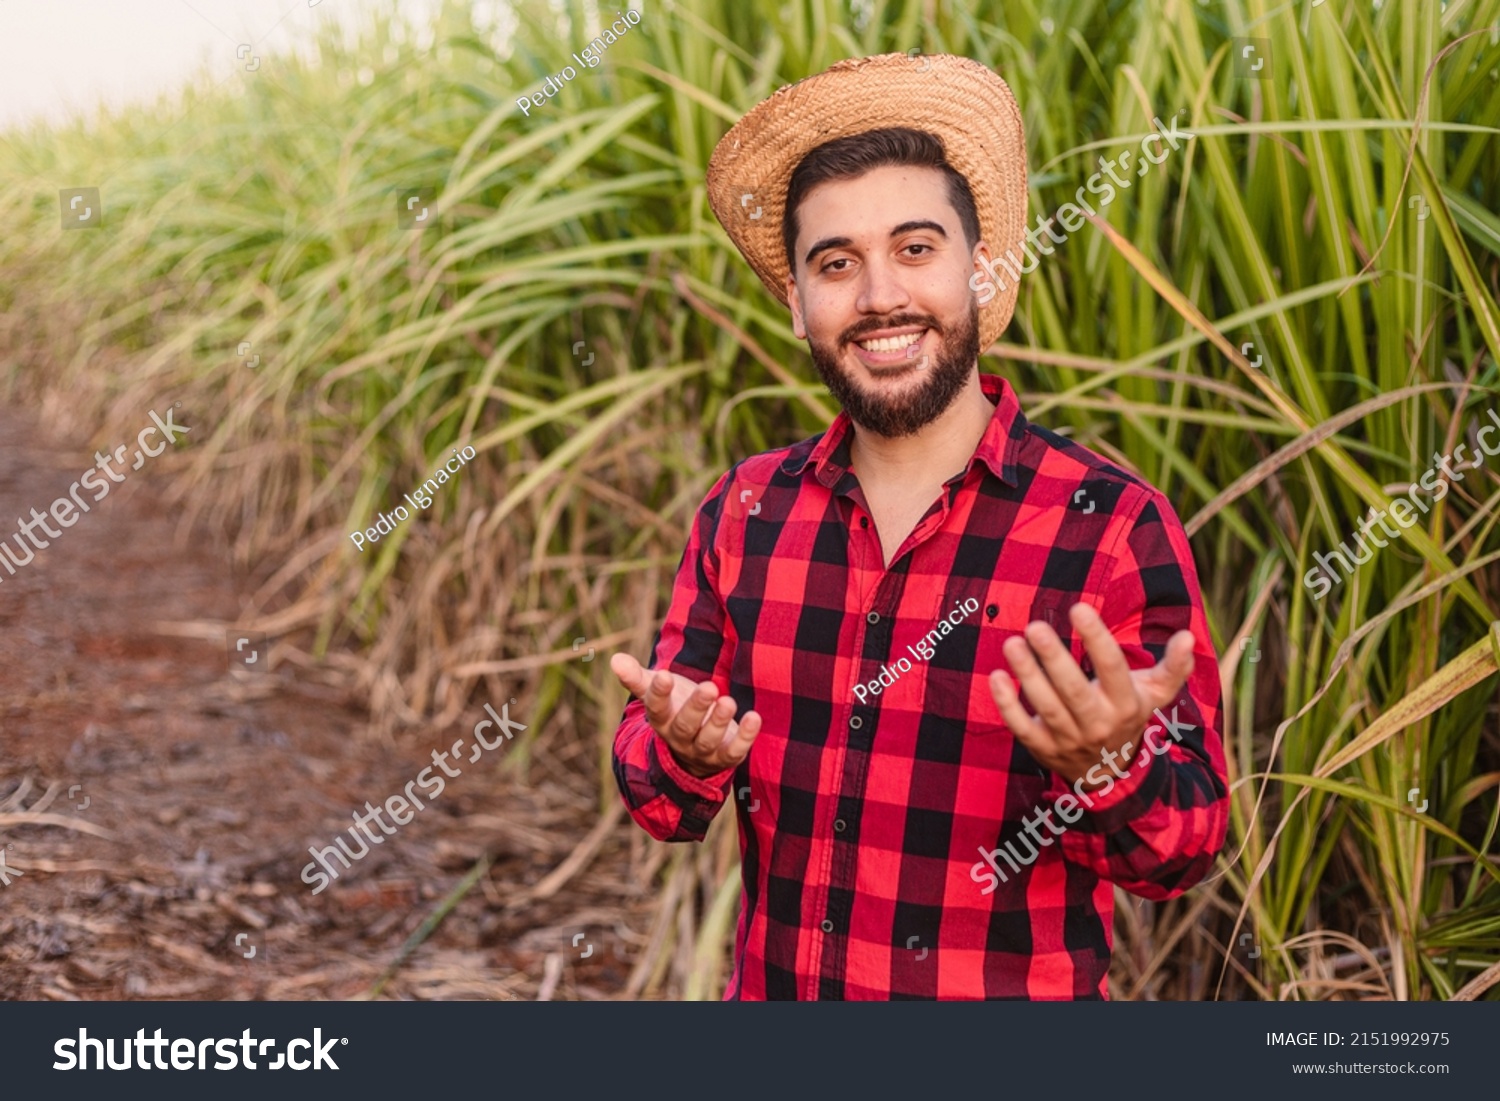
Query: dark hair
847	158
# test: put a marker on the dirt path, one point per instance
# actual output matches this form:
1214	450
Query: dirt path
159	807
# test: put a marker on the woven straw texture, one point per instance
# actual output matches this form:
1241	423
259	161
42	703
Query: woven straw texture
965	104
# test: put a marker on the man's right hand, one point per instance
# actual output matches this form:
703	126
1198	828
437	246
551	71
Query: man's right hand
696	722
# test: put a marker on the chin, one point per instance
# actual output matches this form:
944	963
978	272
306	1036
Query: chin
878	400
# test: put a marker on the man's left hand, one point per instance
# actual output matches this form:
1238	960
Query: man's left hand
1080	722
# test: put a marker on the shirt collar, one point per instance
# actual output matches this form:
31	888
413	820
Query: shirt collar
999	448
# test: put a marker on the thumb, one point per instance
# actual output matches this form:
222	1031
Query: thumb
1165	679
630	672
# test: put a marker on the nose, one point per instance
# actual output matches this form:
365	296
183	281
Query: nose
882	290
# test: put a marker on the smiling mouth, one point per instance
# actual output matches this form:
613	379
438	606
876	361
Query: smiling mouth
891	343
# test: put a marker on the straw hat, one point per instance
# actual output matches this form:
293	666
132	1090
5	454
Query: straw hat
965	104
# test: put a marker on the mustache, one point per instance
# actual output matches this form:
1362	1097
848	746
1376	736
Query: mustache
897	321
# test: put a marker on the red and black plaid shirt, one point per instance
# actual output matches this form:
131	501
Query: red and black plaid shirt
862	816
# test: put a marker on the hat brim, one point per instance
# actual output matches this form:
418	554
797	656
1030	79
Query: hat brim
969	107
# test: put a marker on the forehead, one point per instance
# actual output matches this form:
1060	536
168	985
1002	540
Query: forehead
875	202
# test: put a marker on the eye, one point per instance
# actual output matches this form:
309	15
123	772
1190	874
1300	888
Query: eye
830	265
908	249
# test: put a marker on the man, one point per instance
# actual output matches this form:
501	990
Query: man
873	602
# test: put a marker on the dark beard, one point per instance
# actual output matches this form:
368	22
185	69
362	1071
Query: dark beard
910	413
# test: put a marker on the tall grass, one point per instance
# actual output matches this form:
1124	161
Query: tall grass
269	216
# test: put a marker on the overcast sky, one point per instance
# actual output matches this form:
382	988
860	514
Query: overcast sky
58	56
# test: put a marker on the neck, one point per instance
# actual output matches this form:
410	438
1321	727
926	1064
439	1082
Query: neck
939	449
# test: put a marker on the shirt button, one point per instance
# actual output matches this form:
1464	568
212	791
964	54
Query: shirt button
827	926
856	722
840	826
864	521
873	617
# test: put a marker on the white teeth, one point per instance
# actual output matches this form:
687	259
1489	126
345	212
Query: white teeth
890	343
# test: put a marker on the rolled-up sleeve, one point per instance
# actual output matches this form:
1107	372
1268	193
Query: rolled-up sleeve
1156	832
666	800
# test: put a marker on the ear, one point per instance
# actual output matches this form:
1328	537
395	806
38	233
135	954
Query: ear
983	261
794	301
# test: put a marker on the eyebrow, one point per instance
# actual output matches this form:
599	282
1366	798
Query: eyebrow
824	245
907	227
843	242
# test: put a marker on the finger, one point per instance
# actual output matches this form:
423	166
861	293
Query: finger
1032	734
657	697
689	719
715	729
1065	674
737	748
1162	683
1039	690
1110	666
630	673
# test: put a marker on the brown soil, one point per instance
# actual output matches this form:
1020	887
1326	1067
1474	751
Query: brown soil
159	804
